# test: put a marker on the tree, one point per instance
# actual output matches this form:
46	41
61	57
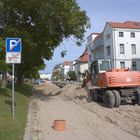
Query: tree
42	25
72	75
57	75
3	66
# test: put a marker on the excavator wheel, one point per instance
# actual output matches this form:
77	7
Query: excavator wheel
117	98
95	96
137	97
90	96
109	99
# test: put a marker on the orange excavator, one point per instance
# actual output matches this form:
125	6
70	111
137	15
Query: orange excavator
113	86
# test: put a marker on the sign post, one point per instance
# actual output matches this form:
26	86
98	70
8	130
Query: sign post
13	90
13	56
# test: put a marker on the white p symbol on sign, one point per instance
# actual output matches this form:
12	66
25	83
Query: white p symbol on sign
13	44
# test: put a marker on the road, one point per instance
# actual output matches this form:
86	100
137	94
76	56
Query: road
48	104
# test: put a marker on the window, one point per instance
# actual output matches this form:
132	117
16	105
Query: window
108	50
133	48
132	35
120	34
104	65
122	64
108	36
134	65
122	49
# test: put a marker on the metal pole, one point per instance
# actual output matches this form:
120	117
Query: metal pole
13	91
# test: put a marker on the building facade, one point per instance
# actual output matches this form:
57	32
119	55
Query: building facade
81	65
89	46
45	76
66	68
119	42
72	68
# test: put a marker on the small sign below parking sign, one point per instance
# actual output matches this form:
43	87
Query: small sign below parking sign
13	57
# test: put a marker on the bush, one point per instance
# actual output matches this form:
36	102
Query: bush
72	75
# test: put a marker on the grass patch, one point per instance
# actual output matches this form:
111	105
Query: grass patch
13	129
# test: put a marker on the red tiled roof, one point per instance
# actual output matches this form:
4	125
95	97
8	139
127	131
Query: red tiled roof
83	57
67	62
127	24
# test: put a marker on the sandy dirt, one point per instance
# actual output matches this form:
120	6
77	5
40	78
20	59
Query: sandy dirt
85	120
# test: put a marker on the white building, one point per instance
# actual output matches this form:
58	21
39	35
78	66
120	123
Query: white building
81	65
72	68
45	76
90	44
66	68
119	42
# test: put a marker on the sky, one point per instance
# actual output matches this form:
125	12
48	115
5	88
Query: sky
99	12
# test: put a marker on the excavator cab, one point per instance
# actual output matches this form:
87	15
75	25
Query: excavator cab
99	66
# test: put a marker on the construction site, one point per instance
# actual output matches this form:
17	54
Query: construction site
82	117
69	70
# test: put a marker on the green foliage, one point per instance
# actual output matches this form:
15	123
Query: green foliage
72	75
63	53
3	65
57	75
42	25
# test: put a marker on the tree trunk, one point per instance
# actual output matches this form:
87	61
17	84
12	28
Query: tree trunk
4	80
19	79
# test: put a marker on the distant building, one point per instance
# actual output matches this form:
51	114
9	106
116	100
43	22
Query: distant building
81	65
66	68
72	68
118	42
45	76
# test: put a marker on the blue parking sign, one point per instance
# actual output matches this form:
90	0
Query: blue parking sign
13	45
